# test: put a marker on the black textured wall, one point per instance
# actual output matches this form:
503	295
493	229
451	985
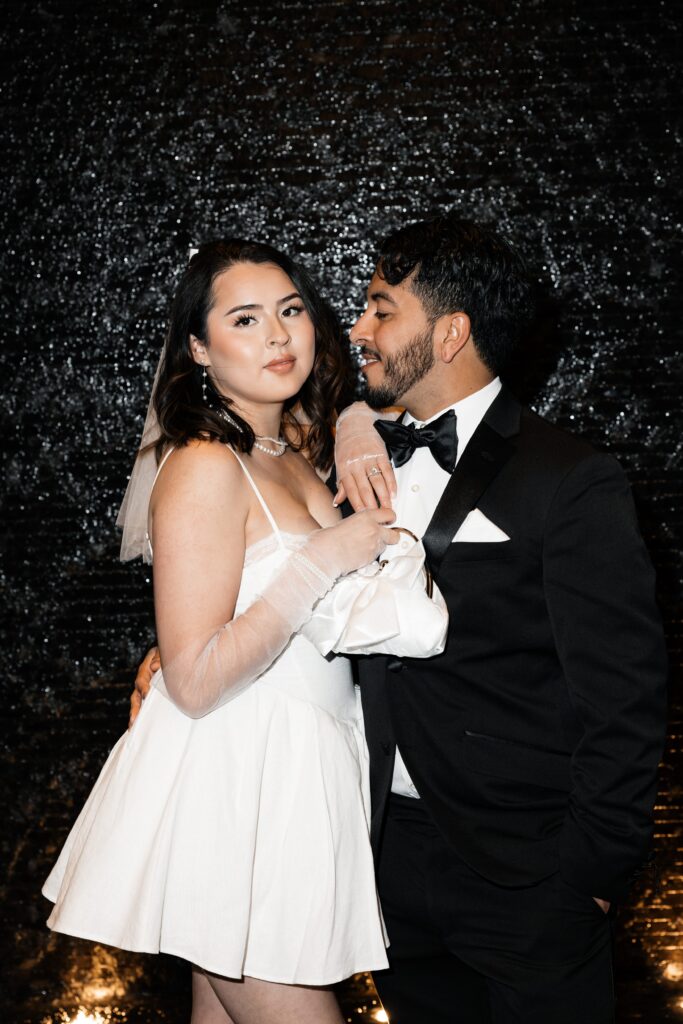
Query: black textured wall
135	130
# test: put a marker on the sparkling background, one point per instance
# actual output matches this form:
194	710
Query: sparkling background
134	130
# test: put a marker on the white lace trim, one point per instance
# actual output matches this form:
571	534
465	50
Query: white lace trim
267	546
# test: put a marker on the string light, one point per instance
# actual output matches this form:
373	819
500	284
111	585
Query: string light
673	971
83	1016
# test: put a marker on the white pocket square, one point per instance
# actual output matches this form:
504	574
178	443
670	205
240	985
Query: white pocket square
477	528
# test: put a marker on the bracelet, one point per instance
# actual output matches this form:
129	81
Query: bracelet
328	581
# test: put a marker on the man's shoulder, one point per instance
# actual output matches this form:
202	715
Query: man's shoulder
535	436
555	443
549	454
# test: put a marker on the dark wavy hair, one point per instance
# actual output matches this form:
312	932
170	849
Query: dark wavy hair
459	265
181	410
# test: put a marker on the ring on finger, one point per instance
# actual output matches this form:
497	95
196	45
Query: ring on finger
374	471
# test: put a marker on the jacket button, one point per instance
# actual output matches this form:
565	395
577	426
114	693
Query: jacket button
386	747
394	664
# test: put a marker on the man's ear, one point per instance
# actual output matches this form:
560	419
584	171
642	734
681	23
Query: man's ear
457	332
198	351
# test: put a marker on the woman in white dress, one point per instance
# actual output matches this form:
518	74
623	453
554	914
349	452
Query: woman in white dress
229	826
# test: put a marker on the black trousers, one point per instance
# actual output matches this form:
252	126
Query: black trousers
467	951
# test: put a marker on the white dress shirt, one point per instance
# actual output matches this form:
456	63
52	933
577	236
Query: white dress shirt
420	484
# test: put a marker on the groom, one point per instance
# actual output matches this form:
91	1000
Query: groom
513	777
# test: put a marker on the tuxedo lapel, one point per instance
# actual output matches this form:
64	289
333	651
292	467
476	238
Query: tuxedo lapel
487	452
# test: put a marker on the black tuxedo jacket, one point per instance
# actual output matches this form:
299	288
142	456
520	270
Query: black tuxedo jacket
534	739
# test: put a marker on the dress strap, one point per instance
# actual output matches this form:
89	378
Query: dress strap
262	502
161	466
156	477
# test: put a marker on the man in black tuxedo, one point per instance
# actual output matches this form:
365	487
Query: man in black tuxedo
513	777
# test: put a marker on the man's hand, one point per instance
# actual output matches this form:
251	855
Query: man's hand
147	668
603	904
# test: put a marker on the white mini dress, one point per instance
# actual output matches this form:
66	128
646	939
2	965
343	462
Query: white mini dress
238	841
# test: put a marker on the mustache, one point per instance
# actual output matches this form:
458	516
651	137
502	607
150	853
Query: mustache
365	351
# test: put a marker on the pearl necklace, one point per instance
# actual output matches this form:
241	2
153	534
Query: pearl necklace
269	451
280	441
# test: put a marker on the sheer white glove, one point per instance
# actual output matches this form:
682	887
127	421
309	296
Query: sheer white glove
218	665
359	451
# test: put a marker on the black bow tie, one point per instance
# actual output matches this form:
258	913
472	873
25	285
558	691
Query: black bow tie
441	437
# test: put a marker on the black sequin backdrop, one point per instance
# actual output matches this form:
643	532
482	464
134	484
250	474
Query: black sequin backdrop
133	130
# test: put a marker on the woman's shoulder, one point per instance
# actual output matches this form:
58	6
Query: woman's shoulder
203	468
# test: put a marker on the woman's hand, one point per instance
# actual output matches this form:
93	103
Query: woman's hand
353	542
364	473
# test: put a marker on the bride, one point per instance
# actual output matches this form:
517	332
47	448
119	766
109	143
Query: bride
229	826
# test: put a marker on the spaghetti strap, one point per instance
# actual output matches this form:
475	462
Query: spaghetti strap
161	465
156	477
261	500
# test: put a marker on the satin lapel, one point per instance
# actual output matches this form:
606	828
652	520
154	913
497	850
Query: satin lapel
487	452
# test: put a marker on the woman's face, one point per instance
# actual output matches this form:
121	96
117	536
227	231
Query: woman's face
260	343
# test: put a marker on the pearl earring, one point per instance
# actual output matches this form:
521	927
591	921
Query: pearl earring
203	382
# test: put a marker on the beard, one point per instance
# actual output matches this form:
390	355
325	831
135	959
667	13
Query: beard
403	370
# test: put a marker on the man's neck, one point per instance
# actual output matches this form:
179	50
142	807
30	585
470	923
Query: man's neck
424	407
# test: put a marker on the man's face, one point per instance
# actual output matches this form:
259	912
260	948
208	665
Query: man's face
396	339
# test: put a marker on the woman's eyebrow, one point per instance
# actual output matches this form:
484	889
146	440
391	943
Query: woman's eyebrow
247	305
256	305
